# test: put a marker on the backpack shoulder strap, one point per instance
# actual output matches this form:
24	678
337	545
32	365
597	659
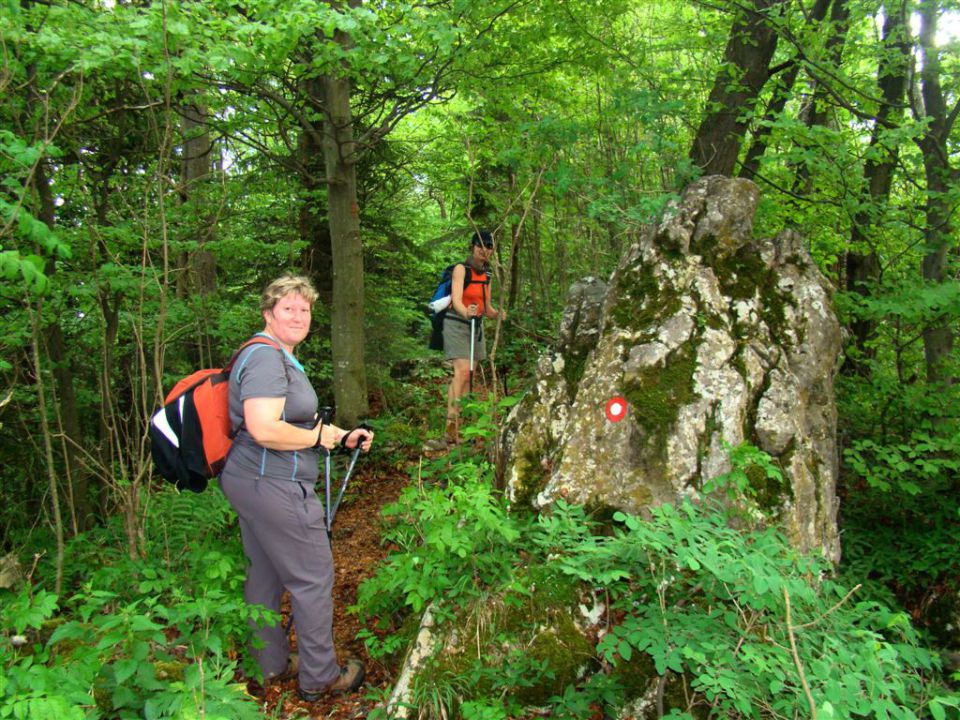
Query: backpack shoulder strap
255	340
228	368
467	274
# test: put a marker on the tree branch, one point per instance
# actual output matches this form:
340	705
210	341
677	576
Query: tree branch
796	659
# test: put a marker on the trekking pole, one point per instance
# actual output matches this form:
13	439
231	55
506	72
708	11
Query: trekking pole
326	494
325	414
473	336
332	510
343	486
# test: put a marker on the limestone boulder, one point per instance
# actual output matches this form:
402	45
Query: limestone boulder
714	338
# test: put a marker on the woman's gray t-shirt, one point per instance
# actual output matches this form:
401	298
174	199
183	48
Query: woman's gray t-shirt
263	371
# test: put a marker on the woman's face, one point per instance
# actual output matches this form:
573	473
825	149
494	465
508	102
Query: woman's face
289	320
483	252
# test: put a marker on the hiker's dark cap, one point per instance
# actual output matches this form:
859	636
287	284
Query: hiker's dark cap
482	237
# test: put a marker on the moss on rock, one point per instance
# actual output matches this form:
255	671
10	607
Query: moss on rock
530	475
563	651
642	300
658	393
532	648
744	275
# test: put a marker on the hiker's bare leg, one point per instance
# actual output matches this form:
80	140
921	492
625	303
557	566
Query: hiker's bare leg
456	390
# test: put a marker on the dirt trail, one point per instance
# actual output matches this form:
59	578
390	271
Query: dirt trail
357	552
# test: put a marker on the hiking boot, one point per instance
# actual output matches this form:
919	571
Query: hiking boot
293	666
351	678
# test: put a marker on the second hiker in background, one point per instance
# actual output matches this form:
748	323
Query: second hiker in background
463	340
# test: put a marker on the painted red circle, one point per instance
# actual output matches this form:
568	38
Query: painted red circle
616	409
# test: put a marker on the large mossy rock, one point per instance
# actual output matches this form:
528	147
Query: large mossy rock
541	638
714	338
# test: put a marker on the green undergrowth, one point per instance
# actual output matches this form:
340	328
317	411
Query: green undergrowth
901	497
154	637
679	613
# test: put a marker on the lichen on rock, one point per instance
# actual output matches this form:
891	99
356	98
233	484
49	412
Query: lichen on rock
715	338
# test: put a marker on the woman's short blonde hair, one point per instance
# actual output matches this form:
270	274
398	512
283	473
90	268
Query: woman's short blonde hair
285	285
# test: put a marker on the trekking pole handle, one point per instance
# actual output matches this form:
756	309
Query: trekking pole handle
323	418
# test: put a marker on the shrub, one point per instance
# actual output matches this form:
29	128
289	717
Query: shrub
697	616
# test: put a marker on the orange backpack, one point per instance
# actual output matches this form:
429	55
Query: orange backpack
191	434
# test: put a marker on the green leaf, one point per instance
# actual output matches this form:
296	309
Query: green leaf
937	710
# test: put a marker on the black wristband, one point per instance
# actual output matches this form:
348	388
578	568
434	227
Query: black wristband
343	440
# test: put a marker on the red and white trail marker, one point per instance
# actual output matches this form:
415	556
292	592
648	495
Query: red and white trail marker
616	409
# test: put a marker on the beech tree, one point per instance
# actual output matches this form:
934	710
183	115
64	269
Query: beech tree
937	120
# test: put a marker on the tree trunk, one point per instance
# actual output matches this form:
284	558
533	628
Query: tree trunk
198	268
515	238
781	94
346	332
940	177
739	80
818	113
862	261
69	414
313	225
47	445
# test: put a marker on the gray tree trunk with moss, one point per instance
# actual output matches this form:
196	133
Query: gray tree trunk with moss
715	339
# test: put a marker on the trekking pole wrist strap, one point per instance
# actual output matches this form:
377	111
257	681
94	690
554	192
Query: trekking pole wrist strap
343	440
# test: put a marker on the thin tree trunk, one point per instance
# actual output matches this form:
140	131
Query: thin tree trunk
47	444
781	95
198	270
515	238
817	111
313	225
56	347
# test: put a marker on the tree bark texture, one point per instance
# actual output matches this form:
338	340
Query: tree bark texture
198	269
743	73
940	178
313	224
197	274
347	311
862	260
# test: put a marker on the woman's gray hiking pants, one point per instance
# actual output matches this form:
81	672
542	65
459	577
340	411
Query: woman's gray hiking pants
285	538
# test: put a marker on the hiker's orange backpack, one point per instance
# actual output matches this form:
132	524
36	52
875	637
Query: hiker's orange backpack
191	434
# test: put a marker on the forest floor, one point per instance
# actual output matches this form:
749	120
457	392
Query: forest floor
357	551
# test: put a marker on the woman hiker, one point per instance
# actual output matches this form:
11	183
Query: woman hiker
469	304
269	479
